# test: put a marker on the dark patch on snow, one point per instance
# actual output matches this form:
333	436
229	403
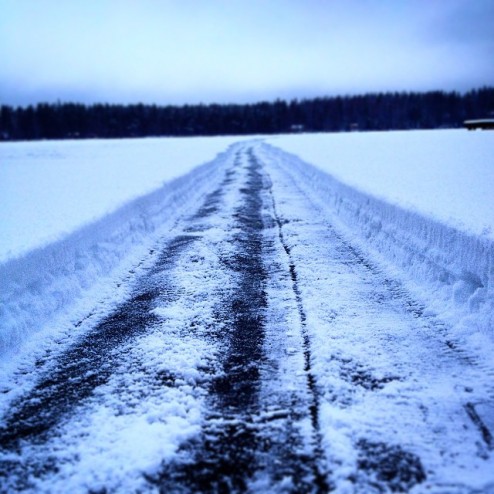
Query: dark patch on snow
241	441
225	456
451	345
388	467
482	427
172	250
226	463
358	375
366	380
166	378
212	203
86	365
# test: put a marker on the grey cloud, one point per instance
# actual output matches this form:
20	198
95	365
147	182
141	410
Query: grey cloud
468	22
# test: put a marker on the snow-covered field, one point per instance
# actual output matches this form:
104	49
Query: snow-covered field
50	189
446	175
340	306
71	211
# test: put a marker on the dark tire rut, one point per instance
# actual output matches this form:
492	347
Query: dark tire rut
246	443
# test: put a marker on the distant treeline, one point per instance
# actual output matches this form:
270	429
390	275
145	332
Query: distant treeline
378	111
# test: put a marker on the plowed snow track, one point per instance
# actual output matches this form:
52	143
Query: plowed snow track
258	351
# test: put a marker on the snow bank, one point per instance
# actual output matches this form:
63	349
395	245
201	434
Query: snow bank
46	281
451	269
447	175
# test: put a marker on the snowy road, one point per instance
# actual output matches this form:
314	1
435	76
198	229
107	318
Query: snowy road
258	350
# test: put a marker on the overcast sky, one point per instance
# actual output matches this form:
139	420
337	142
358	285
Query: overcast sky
191	51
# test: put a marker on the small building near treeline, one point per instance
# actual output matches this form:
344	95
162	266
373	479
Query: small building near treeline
479	123
297	128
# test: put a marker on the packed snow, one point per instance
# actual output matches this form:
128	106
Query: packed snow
411	279
71	211
369	340
51	191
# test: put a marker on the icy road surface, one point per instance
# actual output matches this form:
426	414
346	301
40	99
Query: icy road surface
257	351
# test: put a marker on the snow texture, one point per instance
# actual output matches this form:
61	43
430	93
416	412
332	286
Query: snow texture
386	386
446	175
39	285
51	188
447	261
71	213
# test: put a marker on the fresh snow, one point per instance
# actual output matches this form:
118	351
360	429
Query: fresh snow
72	211
421	202
49	189
383	370
447	175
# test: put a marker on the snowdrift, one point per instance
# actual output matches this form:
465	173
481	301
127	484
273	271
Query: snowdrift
451	270
45	282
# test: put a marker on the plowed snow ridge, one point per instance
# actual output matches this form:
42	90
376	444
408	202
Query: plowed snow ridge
70	274
452	271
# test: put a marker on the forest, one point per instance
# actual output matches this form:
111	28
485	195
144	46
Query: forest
376	111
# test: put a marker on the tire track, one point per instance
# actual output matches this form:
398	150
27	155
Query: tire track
245	442
396	393
320	474
225	457
299	376
236	393
89	362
